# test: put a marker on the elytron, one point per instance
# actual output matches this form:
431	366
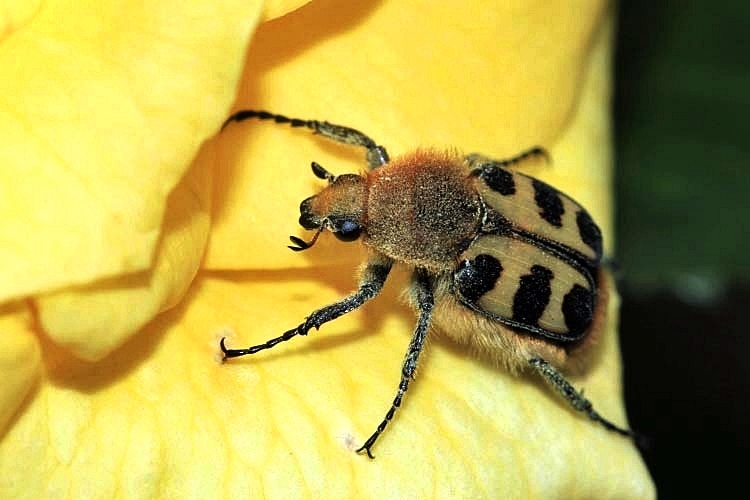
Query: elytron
500	261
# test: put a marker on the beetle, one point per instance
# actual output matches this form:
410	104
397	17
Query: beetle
500	261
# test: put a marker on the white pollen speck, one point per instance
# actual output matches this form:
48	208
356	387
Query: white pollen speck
348	440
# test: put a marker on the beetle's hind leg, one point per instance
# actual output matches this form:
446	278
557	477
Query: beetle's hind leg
370	284
573	396
377	156
424	298
481	162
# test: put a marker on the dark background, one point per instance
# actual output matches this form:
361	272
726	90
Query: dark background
682	114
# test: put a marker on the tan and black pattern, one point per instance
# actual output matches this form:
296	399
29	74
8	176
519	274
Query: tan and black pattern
538	209
531	288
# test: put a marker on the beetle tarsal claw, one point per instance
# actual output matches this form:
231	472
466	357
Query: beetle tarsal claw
366	449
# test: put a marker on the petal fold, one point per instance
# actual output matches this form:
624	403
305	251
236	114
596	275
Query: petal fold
20	359
94	319
102	109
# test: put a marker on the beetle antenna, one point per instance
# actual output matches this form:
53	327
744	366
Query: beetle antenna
302	244
322	173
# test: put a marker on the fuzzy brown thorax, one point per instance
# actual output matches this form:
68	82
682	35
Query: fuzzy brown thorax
421	209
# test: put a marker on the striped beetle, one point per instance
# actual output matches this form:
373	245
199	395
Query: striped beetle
501	261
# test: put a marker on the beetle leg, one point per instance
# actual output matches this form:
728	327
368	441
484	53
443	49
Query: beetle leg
377	156
573	396
370	284
423	286
481	163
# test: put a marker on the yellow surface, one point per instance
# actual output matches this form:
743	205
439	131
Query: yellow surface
130	246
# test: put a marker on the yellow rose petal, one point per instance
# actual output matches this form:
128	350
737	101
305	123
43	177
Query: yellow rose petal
93	320
16	15
277	8
20	360
538	93
162	417
102	109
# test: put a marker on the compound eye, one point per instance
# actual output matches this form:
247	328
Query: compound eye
348	231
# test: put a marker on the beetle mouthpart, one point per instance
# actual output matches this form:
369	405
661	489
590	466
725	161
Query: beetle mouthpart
307	219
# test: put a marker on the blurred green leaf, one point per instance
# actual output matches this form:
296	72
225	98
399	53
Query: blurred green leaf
682	113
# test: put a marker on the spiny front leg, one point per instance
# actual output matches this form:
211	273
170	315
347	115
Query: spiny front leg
370	284
423	285
573	396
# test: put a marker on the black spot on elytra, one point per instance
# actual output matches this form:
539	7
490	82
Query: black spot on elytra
548	200
589	231
578	310
475	277
500	180
494	223
532	296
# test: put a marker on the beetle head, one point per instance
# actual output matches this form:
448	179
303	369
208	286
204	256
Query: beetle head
339	208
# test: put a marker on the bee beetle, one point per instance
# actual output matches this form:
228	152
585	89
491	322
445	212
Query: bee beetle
501	261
